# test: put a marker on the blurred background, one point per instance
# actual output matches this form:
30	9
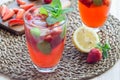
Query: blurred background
115	8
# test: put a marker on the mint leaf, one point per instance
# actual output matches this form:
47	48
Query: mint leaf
67	10
35	32
60	18
63	32
44	47
104	53
104	48
56	2
107	45
48	8
97	2
43	11
52	20
55	12
99	46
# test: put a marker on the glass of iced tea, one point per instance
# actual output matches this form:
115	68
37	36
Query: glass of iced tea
45	42
94	12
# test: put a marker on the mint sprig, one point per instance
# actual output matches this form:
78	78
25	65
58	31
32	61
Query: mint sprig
51	20
55	12
104	48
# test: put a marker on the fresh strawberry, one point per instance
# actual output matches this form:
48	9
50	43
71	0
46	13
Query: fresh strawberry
48	38
20	14
4	10
8	14
87	2
94	56
20	2
26	7
13	22
47	1
28	16
16	10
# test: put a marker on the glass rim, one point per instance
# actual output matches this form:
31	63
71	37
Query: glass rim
26	22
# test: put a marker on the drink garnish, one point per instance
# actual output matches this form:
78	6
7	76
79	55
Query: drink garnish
44	47
94	56
35	32
43	11
85	39
104	48
56	13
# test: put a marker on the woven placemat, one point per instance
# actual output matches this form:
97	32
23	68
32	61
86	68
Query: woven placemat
15	61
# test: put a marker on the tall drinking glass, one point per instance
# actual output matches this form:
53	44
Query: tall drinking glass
94	12
45	42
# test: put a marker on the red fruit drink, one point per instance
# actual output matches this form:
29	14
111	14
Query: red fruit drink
94	12
45	42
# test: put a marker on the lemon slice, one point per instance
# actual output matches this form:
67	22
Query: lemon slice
85	39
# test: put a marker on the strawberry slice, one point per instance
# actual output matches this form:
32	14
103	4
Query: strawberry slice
20	2
29	16
15	10
13	22
4	10
20	14
8	14
48	38
26	7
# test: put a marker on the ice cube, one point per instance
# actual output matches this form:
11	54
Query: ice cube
39	23
44	32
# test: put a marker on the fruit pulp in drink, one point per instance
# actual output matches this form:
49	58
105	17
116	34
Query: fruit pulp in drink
93	15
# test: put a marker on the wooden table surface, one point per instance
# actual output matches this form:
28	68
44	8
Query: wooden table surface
113	73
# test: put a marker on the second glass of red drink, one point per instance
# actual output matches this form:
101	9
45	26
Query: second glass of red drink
94	13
